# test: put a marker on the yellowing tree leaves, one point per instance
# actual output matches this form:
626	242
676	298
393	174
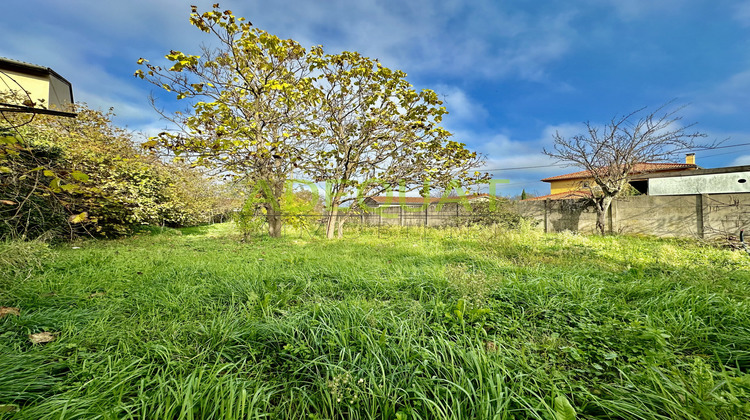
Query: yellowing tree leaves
79	176
79	218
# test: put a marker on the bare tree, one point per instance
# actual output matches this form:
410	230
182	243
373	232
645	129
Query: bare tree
611	153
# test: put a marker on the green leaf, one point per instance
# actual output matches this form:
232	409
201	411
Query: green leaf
563	409
5	170
47	172
79	218
79	176
149	144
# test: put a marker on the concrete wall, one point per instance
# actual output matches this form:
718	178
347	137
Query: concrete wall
698	215
735	182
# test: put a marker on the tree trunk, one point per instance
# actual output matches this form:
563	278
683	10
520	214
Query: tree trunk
273	192
341	226
274	223
602	207
331	223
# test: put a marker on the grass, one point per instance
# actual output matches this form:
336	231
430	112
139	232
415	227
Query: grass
463	324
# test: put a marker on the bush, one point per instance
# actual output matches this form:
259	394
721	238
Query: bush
84	176
497	212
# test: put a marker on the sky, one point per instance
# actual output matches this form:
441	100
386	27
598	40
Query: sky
511	73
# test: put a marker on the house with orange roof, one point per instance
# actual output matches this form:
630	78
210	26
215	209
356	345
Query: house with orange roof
579	184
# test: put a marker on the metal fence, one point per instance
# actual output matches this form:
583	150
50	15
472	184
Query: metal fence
398	218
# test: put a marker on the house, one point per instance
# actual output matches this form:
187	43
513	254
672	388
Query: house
727	180
576	184
392	201
33	88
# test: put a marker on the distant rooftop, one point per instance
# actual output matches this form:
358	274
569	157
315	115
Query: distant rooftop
639	168
28	68
567	195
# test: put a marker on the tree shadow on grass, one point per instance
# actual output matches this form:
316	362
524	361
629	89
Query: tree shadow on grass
196	230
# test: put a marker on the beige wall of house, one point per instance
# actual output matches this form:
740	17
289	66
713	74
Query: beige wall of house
45	91
37	86
566	185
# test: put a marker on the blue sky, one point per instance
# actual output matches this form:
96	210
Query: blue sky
511	73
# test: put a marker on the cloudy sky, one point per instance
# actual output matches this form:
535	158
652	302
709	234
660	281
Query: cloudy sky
511	73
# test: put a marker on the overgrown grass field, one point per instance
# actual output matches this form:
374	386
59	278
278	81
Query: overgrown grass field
437	324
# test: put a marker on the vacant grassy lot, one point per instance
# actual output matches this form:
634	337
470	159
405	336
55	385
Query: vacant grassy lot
464	324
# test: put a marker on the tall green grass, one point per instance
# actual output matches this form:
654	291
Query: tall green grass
421	324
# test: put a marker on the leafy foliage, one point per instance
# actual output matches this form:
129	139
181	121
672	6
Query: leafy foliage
264	107
300	209
377	133
494	211
248	99
84	176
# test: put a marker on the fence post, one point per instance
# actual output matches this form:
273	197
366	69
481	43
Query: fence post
426	215
613	228
702	214
546	215
400	215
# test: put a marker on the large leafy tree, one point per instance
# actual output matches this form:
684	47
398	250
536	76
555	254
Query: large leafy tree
375	132
248	96
263	107
610	153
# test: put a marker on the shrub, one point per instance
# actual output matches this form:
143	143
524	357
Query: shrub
74	176
497	212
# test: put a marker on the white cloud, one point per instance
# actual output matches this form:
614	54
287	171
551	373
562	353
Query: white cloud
742	12
741	160
475	39
95	44
461	107
732	96
633	9
506	155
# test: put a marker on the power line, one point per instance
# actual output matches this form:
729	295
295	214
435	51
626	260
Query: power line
563	164
718	154
523	167
720	147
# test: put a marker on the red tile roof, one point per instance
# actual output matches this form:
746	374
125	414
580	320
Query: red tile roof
567	195
639	168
